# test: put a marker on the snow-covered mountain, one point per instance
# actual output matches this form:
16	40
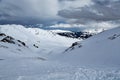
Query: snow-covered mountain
78	35
101	49
36	54
37	40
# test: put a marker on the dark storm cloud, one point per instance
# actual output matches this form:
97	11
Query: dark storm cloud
28	11
47	11
99	10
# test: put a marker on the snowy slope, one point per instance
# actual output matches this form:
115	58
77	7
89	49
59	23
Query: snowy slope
102	49
28	63
38	40
10	45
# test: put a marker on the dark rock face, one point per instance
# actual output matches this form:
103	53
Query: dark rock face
80	35
11	40
8	39
2	34
76	44
35	46
114	36
21	42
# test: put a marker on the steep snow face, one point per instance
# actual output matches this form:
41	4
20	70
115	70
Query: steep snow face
100	50
38	40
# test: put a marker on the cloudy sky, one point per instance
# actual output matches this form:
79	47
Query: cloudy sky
53	11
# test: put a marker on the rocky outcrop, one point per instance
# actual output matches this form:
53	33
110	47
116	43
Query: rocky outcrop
8	39
79	35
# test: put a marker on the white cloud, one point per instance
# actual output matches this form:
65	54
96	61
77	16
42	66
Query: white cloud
67	4
92	27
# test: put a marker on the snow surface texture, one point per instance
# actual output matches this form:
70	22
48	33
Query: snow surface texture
32	63
101	49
